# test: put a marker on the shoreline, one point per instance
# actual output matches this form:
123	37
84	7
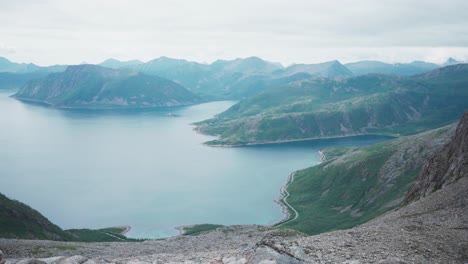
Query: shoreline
288	140
182	228
125	229
280	202
284	194
62	107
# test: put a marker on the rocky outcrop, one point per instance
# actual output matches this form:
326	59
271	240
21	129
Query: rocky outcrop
2	259
445	167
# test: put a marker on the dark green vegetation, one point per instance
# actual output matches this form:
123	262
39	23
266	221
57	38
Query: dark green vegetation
321	108
90	86
198	229
17	220
101	235
354	185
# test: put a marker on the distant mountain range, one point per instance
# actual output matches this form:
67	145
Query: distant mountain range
227	79
13	67
368	104
415	67
96	87
236	79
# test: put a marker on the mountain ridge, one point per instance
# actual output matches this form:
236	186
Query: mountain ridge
96	87
322	108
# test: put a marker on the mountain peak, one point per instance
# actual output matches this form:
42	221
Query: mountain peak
111	60
451	61
4	60
115	64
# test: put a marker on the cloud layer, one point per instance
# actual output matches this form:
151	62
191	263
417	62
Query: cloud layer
58	31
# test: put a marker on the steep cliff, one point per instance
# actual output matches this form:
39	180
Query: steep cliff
445	167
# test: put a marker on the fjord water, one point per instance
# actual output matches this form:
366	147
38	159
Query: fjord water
147	169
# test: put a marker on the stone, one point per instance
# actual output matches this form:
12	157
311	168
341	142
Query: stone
2	258
31	261
77	259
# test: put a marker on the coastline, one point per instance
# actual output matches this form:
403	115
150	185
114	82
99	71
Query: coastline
289	140
182	228
125	229
280	202
284	194
47	104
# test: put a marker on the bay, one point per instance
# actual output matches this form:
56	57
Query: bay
144	168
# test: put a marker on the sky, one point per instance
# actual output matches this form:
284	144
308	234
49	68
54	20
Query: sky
49	32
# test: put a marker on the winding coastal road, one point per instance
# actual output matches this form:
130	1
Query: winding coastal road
286	202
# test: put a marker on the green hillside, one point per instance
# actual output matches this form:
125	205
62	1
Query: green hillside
354	185
321	108
18	220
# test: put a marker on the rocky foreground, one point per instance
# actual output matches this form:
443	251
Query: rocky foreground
431	228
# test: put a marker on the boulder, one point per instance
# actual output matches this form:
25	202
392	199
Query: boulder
77	259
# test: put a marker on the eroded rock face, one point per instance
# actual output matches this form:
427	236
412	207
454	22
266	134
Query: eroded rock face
445	167
2	259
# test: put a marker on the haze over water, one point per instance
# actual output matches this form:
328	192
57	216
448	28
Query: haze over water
147	169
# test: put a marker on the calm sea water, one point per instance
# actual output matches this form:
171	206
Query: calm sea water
147	169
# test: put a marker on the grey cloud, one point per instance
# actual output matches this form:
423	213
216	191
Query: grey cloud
44	30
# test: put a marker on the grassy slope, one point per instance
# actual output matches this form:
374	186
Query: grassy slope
111	234
357	184
18	220
371	104
198	229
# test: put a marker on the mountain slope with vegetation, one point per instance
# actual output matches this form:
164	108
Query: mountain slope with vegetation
322	108
18	220
355	185
91	86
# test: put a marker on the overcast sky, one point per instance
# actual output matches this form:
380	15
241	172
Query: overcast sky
288	31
